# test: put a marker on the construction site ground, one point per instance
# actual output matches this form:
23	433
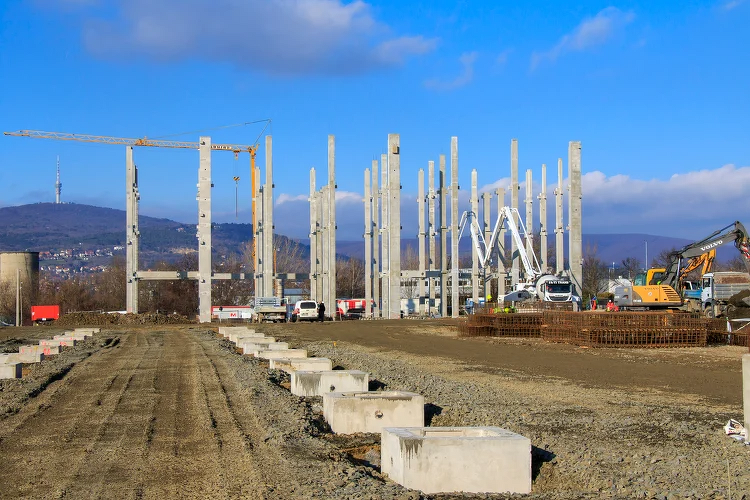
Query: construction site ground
166	411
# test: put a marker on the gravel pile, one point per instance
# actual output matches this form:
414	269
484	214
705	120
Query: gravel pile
78	319
587	442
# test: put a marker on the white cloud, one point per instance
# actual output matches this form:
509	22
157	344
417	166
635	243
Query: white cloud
502	57
467	61
289	198
288	37
591	32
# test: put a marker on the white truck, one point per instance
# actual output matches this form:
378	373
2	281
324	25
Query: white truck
718	288
270	309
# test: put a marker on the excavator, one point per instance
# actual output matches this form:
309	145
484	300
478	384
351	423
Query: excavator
662	288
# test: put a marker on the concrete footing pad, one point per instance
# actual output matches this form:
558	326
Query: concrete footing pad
44	349
290	365
306	383
280	353
65	340
449	459
352	412
251	347
55	343
227	330
22	357
250	337
11	370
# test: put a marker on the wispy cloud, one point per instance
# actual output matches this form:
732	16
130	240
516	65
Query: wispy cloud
280	37
591	32
502	57
467	61
731	5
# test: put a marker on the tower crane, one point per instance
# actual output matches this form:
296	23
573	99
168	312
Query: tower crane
157	143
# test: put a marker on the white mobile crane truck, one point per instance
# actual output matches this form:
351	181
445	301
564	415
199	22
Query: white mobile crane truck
537	285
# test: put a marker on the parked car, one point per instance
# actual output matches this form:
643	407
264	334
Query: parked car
355	313
305	310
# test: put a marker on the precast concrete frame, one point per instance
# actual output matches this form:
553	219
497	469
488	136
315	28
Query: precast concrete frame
387	274
264	273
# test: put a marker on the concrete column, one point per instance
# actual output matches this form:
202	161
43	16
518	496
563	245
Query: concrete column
575	250
368	243
474	254
132	233
746	388
486	215
559	229
375	240
443	239
543	262
529	215
314	260
422	239
320	238
325	254
394	214
501	271
331	297
514	188
454	229
268	243
204	231
385	286
258	229
431	231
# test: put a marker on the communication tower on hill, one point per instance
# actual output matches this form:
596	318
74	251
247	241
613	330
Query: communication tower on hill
58	184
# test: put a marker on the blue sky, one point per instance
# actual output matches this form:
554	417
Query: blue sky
658	93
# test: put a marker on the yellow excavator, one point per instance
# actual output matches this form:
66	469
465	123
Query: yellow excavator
661	288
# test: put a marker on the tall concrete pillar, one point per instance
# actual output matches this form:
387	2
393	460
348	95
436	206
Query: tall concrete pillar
514	188
258	243
368	243
543	262
474	254
501	270
204	231
454	229
314	258
375	241
321	238
431	230
559	229
443	238
268	243
331	298
486	215
575	241
529	215
746	388
385	227
394	214
422	241
133	235
325	254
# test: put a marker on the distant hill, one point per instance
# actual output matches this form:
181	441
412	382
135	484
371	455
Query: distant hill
50	226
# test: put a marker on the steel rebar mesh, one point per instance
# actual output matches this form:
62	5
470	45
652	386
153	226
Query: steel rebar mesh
624	329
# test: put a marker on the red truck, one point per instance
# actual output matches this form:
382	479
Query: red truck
42	314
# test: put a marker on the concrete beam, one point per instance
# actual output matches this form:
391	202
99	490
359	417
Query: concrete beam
385	227
331	297
454	229
474	256
368	243
132	233
268	269
559	230
543	262
204	231
575	240
314	223
443	221
375	240
422	237
431	230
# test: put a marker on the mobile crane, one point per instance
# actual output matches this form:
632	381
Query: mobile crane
537	285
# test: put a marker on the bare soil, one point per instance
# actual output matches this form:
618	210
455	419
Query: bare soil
173	411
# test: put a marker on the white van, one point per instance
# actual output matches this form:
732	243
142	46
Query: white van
305	310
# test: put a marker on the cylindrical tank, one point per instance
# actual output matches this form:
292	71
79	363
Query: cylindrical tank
28	265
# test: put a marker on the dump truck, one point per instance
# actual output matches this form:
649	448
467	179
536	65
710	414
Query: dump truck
718	288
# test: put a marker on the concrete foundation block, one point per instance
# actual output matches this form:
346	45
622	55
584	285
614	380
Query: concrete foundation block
290	365
226	330
450	459
28	357
252	337
280	353
66	341
352	412
250	347
236	336
53	343
11	370
307	383
44	349
87	330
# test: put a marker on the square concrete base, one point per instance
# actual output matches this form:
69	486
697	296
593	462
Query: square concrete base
236	336
351	412
66	341
280	353
28	357
318	383
251	337
44	349
54	343
290	365
449	459
227	330
11	370
250	348
87	330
